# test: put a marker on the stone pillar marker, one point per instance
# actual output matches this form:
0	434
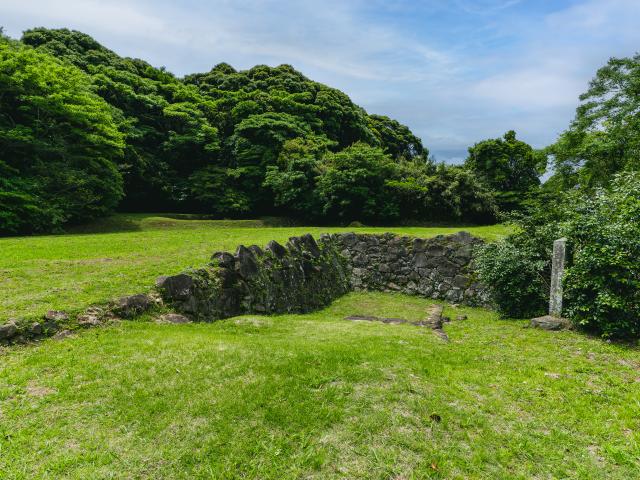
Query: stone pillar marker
557	270
554	320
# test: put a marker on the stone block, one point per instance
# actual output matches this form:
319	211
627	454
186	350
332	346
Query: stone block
8	330
276	249
461	281
56	316
223	260
130	306
176	287
172	318
549	322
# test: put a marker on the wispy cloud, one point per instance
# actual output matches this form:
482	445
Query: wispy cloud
116	18
484	7
454	71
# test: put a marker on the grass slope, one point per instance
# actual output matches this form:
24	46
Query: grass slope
125	254
315	396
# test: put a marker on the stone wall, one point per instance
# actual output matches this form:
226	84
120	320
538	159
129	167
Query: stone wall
304	275
299	277
438	267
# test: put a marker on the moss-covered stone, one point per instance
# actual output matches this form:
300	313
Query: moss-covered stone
306	275
299	277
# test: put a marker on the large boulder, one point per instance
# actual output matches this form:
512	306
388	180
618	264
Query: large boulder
8	330
175	287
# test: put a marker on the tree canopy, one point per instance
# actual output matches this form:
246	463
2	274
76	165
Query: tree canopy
604	137
507	165
231	143
168	126
59	142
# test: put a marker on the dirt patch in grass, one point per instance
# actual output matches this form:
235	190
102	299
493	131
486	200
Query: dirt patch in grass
38	391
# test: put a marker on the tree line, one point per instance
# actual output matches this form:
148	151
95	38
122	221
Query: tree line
84	131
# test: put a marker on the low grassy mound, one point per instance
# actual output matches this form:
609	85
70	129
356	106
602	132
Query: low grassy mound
124	255
316	396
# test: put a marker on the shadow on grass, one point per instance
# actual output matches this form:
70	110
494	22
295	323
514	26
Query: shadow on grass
135	222
114	224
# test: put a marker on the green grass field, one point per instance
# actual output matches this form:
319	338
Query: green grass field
293	396
125	254
315	396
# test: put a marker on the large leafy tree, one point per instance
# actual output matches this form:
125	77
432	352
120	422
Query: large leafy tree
604	137
353	184
507	165
166	123
59	144
397	140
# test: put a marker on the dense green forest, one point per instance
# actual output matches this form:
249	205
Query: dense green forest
84	132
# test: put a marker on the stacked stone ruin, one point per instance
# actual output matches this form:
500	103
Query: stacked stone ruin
304	275
301	276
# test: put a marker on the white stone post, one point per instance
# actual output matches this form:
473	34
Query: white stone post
557	270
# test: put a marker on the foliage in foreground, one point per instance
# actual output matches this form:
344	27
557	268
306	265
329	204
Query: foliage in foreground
602	279
603	282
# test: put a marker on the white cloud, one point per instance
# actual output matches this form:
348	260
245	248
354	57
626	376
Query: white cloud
599	17
117	18
330	38
478	79
530	88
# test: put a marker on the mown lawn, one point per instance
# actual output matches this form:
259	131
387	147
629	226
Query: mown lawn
125	254
315	396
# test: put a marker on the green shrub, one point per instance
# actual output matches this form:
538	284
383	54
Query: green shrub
517	269
602	277
516	276
602	284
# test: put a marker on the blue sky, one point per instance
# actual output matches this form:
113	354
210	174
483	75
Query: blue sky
455	71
